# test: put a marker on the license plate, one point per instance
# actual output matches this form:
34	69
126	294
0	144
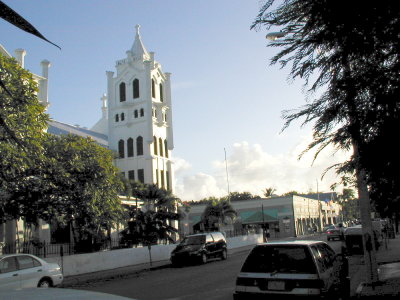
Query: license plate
276	285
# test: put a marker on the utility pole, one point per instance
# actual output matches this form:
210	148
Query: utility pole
227	177
319	209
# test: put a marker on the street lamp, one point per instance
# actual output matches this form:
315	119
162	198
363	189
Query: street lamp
272	36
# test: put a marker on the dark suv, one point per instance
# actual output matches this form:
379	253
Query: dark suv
200	247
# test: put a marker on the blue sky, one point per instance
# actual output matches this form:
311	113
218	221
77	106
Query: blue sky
224	92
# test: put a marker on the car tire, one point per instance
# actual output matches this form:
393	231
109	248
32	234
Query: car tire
224	254
203	258
44	283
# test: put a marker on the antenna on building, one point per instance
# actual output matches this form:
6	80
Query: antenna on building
227	177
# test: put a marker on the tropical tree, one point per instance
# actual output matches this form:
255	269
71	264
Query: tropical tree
149	227
291	193
22	125
353	54
154	221
80	186
236	196
269	192
350	204
217	213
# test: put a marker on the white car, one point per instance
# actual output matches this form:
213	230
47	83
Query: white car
19	271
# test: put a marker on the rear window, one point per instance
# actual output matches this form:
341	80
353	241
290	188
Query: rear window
279	259
218	236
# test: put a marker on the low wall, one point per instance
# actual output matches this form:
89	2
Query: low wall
107	260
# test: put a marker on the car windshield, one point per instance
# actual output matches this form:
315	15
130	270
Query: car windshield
194	240
279	259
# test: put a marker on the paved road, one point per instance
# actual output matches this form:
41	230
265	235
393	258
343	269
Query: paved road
214	280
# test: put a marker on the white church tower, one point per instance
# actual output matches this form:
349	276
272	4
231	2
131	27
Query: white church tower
140	117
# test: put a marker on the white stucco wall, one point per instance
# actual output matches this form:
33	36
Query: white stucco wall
107	260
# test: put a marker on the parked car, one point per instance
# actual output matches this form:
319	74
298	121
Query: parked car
325	229
354	242
335	232
26	270
295	268
200	247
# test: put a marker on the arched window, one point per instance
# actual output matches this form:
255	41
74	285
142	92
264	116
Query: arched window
142	112
155	145
135	88
116	118
161	93
122	92
161	146
122	116
153	88
121	150
135	113
139	145
130	147
140	173
166	148
162	179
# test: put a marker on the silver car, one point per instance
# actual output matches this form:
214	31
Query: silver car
19	271
297	268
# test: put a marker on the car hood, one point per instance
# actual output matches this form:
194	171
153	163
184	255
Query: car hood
59	294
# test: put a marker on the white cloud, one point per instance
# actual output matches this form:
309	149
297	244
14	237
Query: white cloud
252	169
181	166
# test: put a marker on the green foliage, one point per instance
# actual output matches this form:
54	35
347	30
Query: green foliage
291	193
350	204
353	54
82	184
221	212
269	192
153	222
22	126
236	196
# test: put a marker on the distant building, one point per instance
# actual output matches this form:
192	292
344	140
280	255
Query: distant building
285	216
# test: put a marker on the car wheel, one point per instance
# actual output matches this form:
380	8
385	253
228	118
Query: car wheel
44	283
204	258
224	254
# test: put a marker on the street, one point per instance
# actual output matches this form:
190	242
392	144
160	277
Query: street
214	280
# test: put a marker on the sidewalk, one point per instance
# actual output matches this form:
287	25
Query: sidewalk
389	273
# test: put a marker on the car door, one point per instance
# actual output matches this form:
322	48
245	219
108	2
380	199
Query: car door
210	245
30	271
9	276
218	242
328	260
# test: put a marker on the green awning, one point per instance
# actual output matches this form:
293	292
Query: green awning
195	219
257	217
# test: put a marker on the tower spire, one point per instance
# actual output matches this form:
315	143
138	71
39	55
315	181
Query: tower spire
138	50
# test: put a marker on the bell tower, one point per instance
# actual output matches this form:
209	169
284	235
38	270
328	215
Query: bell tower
140	117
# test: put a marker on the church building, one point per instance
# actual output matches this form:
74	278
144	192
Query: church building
137	117
136	120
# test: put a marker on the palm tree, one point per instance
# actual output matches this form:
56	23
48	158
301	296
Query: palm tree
152	223
216	213
269	192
